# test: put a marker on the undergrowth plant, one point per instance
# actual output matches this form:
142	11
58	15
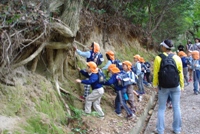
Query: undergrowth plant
49	102
12	100
37	125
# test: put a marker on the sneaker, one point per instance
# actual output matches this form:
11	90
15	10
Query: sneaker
101	117
186	84
149	85
120	115
155	131
82	97
176	132
131	116
169	105
140	98
196	93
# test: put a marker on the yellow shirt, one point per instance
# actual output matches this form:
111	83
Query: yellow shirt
156	68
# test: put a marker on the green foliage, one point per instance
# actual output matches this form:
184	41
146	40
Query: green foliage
130	51
11	99
77	113
37	125
161	19
76	116
79	130
49	103
136	12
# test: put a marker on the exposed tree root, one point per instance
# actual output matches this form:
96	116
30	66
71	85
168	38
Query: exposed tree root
30	57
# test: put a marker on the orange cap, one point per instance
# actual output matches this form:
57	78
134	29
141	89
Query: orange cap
111	55
96	47
137	56
128	64
92	66
111	66
142	59
195	55
114	69
181	54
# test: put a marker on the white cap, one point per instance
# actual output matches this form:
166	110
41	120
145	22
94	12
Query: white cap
165	45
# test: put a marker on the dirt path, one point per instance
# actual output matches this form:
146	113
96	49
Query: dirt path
190	111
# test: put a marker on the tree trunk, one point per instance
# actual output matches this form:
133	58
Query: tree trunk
71	14
50	60
59	64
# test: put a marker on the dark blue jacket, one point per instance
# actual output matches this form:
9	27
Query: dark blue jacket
93	80
184	61
91	58
113	81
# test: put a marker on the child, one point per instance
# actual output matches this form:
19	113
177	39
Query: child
120	90
144	71
111	60
127	68
189	66
196	71
111	57
148	71
97	89
184	60
139	73
90	56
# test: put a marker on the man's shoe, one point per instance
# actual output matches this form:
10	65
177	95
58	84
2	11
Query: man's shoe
176	132
155	131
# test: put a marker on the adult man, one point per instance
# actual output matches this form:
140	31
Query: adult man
164	92
196	45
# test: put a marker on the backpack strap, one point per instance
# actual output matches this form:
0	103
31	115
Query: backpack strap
163	56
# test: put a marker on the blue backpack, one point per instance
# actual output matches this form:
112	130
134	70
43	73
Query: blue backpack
124	79
102	77
98	58
118	64
133	68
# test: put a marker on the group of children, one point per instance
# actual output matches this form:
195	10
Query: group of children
191	64
122	75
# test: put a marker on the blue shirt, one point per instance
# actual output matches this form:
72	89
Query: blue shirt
138	68
114	81
107	65
93	80
195	62
86	54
